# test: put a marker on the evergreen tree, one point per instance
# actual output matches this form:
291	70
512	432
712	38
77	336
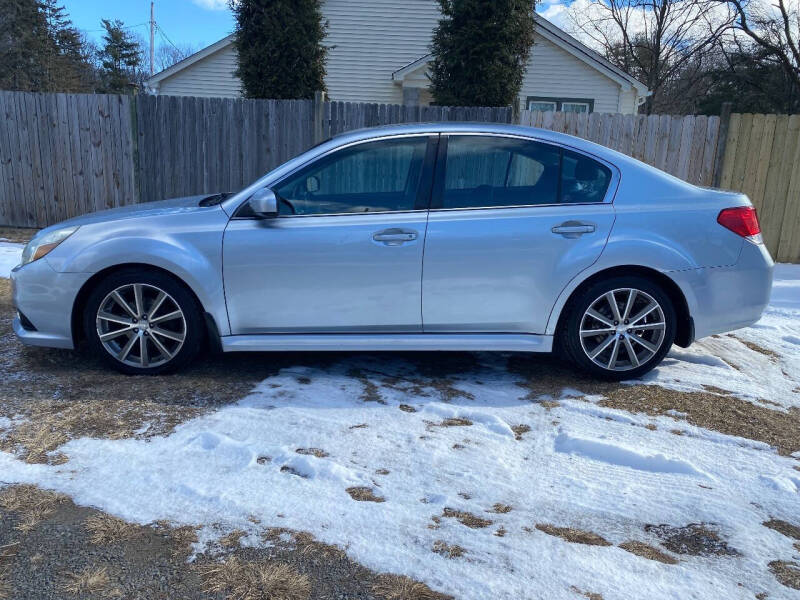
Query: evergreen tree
120	58
279	43
40	50
480	51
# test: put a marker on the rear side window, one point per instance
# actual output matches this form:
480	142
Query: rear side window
494	171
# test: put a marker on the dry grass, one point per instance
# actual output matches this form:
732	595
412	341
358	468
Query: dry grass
49	425
788	573
248	580
233	539
695	539
318	452
454	422
183	537
466	518
18	235
309	546
7	553
647	551
92	580
500	508
783	527
364	494
520	430
501	531
576	536
585	594
105	529
400	587
32	504
447	550
756	348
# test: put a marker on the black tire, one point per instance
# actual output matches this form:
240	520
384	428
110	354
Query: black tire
177	295
570	334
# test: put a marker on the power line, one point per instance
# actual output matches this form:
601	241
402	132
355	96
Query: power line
165	36
125	27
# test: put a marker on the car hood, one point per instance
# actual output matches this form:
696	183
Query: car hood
174	206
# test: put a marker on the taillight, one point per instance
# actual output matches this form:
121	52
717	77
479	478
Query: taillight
741	220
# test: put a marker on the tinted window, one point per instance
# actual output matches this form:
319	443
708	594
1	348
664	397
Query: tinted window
498	171
583	179
371	177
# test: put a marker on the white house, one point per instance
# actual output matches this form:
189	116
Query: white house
379	52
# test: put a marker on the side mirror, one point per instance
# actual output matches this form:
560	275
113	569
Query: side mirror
264	203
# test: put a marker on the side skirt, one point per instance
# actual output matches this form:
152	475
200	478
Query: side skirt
507	342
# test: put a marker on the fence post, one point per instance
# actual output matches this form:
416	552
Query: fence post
722	140
318	115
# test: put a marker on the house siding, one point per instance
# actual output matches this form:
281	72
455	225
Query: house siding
553	72
212	76
370	40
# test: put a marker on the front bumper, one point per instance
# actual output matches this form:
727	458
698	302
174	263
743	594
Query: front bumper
46	297
722	299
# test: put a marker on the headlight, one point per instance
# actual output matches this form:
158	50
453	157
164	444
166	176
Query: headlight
42	246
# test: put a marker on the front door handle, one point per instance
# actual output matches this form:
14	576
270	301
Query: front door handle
395	236
573	229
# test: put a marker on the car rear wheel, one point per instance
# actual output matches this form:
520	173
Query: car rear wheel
143	322
620	328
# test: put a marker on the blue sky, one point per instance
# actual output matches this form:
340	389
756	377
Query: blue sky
196	22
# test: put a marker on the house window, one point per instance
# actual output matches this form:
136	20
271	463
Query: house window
578	105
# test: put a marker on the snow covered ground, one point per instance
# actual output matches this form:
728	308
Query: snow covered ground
578	465
10	255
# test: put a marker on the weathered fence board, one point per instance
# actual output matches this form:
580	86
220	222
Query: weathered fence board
63	155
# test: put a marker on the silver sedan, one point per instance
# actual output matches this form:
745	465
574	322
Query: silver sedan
409	237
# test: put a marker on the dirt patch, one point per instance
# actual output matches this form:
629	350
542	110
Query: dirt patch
454	422
364	494
31	504
105	529
318	452
250	580
17	235
400	587
500	509
520	430
585	594
788	573
447	550
407	408
233	539
576	536
783	527
466	518
647	551
756	348
695	539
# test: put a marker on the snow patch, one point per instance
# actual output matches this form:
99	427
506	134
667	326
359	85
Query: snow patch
10	257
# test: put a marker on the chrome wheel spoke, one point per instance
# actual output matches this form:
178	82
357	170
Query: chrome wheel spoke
602	346
597	316
161	348
612	303
137	296
612	362
591	332
121	301
629	304
144	356
123	354
631	352
168	317
644	343
112	318
171	335
647	326
116	333
156	305
644	312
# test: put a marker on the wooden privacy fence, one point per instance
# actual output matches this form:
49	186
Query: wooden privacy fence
762	159
63	155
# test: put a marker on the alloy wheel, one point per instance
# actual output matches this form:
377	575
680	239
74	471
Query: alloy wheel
622	329
141	325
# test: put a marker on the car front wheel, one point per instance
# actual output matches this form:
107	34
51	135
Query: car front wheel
143	322
620	328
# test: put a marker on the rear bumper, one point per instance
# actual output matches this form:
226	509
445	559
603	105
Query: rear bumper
46	298
722	299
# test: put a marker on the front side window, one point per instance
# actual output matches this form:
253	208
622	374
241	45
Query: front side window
496	171
377	176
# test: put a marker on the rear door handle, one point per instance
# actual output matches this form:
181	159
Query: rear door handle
573	229
394	236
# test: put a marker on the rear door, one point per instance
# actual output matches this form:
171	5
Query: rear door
512	220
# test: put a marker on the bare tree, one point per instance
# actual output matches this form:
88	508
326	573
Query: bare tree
775	26
168	55
653	40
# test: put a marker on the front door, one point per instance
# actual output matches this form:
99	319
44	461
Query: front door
512	221
344	254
